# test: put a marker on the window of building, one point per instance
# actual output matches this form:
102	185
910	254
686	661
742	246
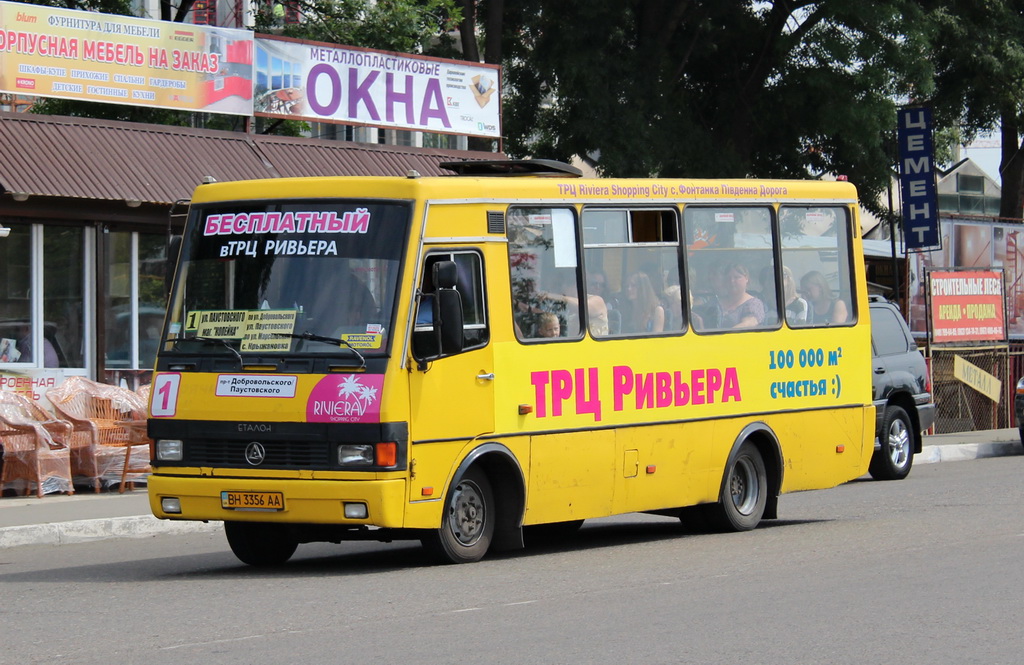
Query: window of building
135	298
970	184
42	296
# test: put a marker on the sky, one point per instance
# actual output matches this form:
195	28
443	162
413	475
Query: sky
985	153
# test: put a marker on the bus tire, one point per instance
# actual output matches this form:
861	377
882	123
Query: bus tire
467	525
260	544
895	455
744	492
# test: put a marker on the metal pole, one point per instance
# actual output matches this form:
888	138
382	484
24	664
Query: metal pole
892	244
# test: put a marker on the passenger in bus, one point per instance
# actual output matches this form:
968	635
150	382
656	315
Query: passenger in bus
597	310
548	325
645	311
739	308
603	304
824	309
797	308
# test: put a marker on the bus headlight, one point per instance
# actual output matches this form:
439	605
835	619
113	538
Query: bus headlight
355	453
169	450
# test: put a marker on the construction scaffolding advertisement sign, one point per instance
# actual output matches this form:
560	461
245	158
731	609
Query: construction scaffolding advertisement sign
967	306
323	82
70	54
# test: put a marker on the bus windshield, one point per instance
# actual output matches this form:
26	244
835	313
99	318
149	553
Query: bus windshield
302	276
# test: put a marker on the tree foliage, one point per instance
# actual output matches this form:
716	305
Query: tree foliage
404	26
714	88
979	63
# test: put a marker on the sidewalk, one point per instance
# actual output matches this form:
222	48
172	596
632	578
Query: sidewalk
61	520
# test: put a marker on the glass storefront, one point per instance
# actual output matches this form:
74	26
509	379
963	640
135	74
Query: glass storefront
42	296
65	288
134	298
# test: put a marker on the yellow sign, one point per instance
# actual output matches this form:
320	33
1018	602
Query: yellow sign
218	324
363	340
977	378
268	330
55	52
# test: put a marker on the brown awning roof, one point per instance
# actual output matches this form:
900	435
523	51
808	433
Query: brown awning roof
83	158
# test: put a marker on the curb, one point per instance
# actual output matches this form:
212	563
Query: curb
83	531
966	451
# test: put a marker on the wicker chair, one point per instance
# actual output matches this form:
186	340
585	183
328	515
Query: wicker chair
35	450
105	429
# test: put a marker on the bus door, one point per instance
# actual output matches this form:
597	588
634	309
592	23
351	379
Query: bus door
452	390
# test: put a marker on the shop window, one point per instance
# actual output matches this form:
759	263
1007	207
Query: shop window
41	296
16	325
64	293
135	299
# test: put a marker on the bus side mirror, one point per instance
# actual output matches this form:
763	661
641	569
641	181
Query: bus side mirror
173	249
448	318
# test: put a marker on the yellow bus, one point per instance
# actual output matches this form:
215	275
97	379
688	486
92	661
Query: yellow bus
459	359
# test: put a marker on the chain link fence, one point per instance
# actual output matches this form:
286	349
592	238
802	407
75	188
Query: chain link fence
961	408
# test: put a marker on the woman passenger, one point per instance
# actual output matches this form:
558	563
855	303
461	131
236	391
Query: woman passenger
825	309
645	311
739	308
796	307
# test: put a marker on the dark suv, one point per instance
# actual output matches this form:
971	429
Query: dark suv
903	405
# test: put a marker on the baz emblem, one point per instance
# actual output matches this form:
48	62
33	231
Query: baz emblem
255	453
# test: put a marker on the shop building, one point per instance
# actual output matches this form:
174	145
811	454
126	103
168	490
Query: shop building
87	208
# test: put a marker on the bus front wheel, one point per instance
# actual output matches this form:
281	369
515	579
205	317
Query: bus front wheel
468	521
260	544
744	493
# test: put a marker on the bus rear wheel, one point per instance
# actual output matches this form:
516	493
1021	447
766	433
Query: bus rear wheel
468	521
260	544
744	493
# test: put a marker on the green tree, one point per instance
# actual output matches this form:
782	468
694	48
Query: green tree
404	26
979	62
714	88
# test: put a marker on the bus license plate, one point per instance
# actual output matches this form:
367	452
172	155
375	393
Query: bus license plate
266	501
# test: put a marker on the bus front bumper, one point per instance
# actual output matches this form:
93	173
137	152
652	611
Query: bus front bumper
282	501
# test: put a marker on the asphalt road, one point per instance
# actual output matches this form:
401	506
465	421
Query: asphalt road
926	570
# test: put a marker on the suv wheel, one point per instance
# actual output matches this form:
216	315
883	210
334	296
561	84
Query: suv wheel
892	461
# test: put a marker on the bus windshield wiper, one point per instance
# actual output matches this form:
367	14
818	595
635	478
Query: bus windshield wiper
313	337
209	340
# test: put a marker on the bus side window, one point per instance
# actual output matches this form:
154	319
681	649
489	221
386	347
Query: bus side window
732	268
544	274
469	284
816	266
